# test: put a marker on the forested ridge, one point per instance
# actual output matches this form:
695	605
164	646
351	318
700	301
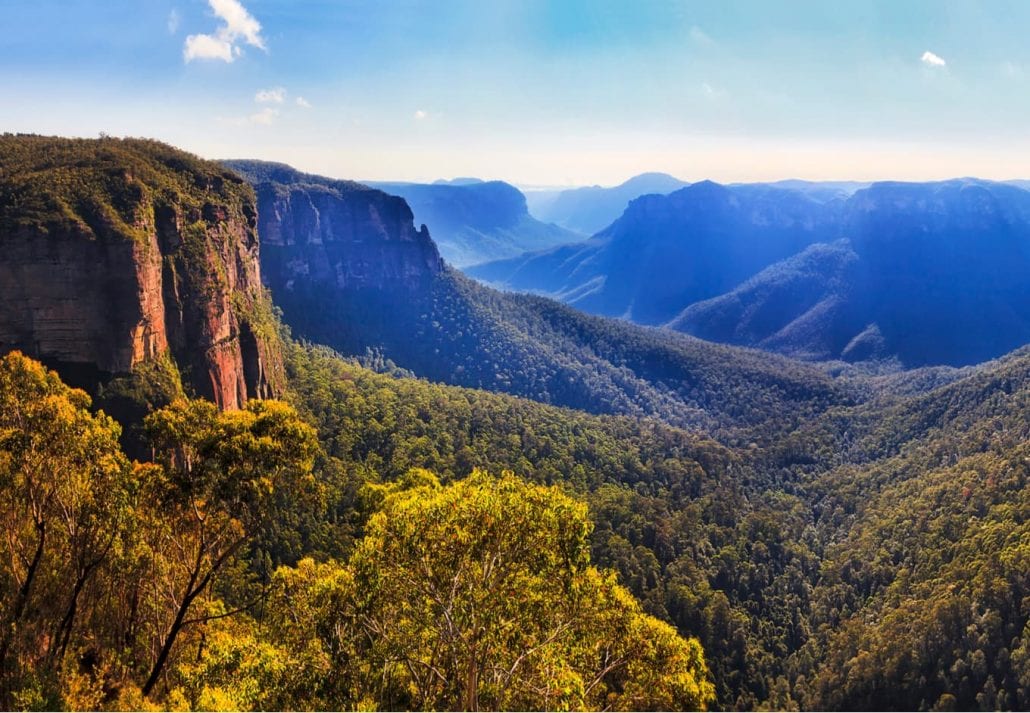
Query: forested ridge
459	332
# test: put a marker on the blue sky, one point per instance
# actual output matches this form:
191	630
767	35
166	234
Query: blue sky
538	93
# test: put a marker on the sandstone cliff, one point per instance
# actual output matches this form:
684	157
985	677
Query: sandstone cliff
320	230
117	252
337	255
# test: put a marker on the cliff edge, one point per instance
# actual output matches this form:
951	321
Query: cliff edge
115	253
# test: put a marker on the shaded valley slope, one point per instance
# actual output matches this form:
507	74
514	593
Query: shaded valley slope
349	270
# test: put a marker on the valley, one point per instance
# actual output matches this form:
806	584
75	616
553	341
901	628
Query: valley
829	534
560	355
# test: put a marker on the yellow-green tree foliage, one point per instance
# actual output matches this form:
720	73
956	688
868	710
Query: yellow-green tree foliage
110	571
127	585
481	595
66	493
224	479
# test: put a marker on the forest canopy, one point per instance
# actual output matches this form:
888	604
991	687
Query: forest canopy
131	585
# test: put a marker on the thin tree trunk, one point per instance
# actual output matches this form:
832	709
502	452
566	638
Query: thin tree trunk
192	592
471	692
169	641
173	632
23	595
64	630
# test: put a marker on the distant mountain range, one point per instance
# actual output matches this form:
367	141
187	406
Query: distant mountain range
474	221
644	267
819	190
592	208
928	273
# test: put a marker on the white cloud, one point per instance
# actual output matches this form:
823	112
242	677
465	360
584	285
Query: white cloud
238	22
207	47
173	21
302	103
932	60
420	114
237	26
1012	70
276	95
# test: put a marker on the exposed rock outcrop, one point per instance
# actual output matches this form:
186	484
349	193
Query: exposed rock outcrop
116	252
349	249
361	239
319	230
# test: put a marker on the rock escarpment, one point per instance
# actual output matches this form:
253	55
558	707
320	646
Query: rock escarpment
336	254
116	253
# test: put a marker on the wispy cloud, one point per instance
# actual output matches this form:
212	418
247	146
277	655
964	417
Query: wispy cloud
275	99
238	27
932	60
173	21
699	36
276	95
265	117
421	114
1012	70
712	93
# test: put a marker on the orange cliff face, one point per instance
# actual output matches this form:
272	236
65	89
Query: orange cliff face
96	289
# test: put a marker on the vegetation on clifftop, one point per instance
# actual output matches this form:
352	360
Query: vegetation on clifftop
108	186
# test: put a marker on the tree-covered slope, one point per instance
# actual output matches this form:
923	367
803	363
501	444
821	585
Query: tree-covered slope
190	582
459	332
676	513
921	599
787	560
803	306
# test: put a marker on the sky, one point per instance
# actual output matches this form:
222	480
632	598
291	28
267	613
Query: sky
569	92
